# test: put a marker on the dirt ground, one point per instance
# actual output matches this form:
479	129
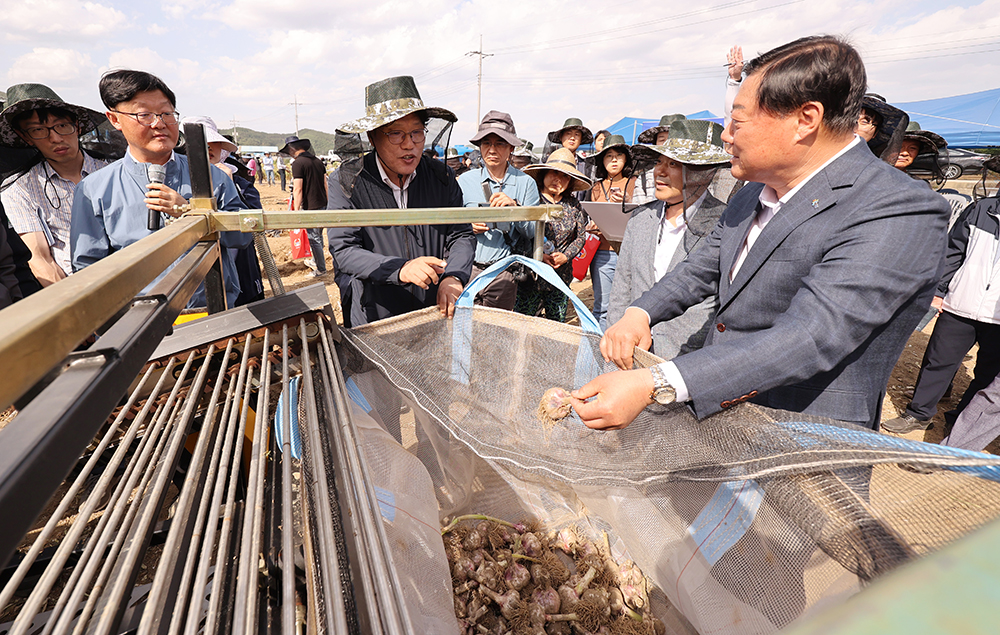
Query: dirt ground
296	274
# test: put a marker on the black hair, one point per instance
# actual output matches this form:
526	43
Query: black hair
55	112
602	173
875	116
123	85
819	68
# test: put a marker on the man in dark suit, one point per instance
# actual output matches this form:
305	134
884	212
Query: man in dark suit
823	264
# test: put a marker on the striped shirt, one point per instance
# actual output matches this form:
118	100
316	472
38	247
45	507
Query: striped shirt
42	201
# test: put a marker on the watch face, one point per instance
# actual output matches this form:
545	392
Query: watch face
664	396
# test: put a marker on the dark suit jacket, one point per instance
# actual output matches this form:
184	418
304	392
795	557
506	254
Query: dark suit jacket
634	275
824	302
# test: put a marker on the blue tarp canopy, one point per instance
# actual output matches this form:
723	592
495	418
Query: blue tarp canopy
630	127
965	121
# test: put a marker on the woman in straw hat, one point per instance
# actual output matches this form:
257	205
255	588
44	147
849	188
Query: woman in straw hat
662	233
613	167
390	270
557	179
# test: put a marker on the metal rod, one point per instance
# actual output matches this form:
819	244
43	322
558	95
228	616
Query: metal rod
57	516
335	611
539	244
198	165
260	220
395	618
253	515
127	569
178	541
270	267
97	603
287	557
231	457
188	591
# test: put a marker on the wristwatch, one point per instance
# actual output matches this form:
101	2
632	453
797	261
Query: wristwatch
663	393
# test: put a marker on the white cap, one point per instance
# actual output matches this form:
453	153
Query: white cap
211	132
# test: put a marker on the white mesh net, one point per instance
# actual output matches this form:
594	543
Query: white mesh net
746	521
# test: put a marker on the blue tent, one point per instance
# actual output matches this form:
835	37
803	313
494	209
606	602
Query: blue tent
965	121
630	127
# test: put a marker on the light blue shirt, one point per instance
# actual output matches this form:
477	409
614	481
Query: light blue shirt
109	214
491	245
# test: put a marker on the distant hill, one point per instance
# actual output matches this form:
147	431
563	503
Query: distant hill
322	142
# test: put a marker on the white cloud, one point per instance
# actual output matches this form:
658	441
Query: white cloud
50	66
553	58
64	18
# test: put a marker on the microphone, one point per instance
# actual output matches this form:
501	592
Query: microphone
156	174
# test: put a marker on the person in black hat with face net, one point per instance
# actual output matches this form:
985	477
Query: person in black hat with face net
390	270
917	142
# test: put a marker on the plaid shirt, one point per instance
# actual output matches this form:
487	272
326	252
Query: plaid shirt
42	201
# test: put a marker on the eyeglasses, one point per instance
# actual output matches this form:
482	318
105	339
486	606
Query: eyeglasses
866	121
149	118
396	136
43	132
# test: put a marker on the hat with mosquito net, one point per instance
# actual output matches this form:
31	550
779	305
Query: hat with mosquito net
22	98
389	100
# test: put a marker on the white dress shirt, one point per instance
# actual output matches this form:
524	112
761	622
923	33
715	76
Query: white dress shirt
399	193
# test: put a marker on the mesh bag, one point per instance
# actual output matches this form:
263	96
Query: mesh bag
745	521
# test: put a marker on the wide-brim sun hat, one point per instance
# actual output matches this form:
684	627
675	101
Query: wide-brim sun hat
561	160
498	123
22	98
929	141
294	140
389	100
649	136
212	134
613	142
692	141
572	124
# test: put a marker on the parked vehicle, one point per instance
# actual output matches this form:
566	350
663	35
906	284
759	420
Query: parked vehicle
954	162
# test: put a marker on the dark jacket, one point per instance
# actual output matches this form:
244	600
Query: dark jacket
26	281
367	260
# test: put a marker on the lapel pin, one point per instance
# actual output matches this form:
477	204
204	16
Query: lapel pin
815	203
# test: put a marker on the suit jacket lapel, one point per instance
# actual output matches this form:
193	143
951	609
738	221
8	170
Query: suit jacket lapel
815	197
731	244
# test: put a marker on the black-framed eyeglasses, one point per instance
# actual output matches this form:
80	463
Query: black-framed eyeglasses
396	136
42	132
149	118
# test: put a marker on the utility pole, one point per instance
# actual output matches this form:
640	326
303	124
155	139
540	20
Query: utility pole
479	98
236	134
296	104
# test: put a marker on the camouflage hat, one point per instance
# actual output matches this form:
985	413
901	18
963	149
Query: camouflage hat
929	141
572	124
389	100
22	98
692	141
452	153
561	160
524	150
649	136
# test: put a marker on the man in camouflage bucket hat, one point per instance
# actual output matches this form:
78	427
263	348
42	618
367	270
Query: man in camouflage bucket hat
645	188
663	232
387	271
39	201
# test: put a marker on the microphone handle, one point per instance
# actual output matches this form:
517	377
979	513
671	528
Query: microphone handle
153	220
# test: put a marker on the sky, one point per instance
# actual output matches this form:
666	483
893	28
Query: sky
258	62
